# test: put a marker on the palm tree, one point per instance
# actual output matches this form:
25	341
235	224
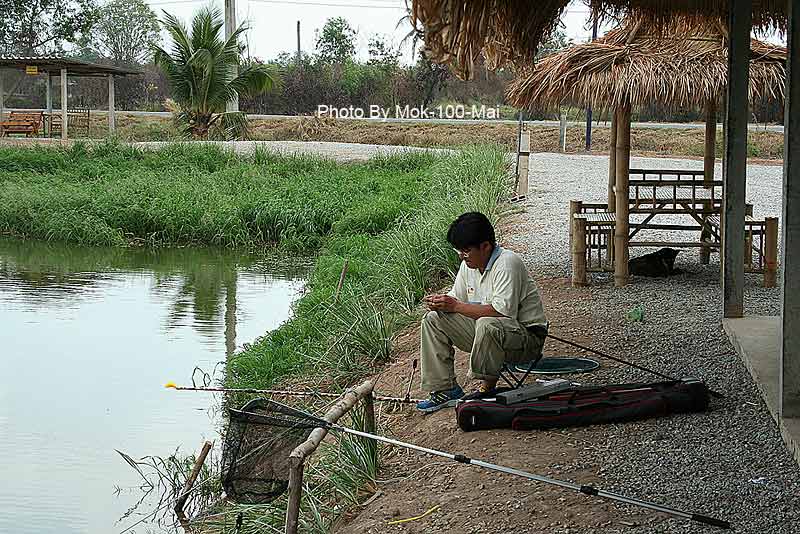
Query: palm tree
206	72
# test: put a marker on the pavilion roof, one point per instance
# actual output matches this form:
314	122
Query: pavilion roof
56	63
683	63
510	31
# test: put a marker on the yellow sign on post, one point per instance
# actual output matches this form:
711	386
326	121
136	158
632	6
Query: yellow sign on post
31	69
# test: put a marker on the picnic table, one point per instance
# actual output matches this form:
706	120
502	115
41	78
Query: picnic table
21	122
657	193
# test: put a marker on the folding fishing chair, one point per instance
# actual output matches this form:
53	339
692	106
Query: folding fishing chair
515	374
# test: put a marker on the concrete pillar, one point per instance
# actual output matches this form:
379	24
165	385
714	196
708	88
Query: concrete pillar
230	27
64	103
612	163
789	375
49	103
112	119
621	253
739	26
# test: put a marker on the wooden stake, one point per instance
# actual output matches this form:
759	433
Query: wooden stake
187	487
295	493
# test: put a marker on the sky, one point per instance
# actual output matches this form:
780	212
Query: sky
273	23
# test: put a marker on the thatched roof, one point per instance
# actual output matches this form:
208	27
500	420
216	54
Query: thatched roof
680	64
509	31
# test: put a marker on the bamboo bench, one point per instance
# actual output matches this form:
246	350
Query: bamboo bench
592	240
21	122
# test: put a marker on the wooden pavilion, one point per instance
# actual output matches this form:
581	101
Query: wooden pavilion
510	32
63	68
680	64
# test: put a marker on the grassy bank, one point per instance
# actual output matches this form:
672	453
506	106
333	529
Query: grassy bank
659	142
112	194
341	338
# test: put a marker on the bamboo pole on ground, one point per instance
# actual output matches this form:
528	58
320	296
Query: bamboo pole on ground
612	164
623	150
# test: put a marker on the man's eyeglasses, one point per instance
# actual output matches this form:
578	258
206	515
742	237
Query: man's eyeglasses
463	253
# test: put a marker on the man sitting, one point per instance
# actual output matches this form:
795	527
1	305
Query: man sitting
493	311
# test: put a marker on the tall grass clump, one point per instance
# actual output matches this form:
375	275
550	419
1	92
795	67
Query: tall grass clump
342	338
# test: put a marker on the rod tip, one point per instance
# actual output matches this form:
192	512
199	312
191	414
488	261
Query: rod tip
171	385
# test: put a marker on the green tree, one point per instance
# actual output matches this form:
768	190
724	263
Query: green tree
126	32
336	43
553	43
382	53
202	71
40	27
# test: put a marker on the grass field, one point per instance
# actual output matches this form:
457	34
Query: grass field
647	142
111	194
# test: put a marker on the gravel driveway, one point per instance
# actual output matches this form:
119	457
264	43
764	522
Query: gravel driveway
729	462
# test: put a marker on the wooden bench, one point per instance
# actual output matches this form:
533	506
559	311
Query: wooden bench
591	231
21	122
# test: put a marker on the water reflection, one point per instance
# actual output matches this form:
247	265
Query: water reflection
88	338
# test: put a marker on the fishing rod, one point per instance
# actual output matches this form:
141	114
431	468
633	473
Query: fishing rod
286	393
295	418
626	362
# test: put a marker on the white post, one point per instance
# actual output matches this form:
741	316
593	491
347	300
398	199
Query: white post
63	103
2	96
111	111
49	101
230	27
562	131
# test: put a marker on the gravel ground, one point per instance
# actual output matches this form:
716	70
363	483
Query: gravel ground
730	461
337	151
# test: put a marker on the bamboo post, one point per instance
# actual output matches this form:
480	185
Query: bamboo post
770	252
579	254
523	163
187	487
562	131
709	160
575	206
623	149
307	448
612	164
295	492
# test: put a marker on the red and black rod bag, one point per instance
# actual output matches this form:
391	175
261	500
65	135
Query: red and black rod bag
587	405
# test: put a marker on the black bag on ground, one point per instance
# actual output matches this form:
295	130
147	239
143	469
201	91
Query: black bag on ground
587	405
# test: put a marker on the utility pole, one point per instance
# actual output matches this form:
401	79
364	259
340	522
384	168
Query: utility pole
230	27
298	44
589	109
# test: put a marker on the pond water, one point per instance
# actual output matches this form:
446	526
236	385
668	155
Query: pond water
88	338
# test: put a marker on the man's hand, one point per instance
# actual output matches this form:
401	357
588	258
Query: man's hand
444	303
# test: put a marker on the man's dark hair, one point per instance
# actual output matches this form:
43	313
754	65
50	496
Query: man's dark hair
470	230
